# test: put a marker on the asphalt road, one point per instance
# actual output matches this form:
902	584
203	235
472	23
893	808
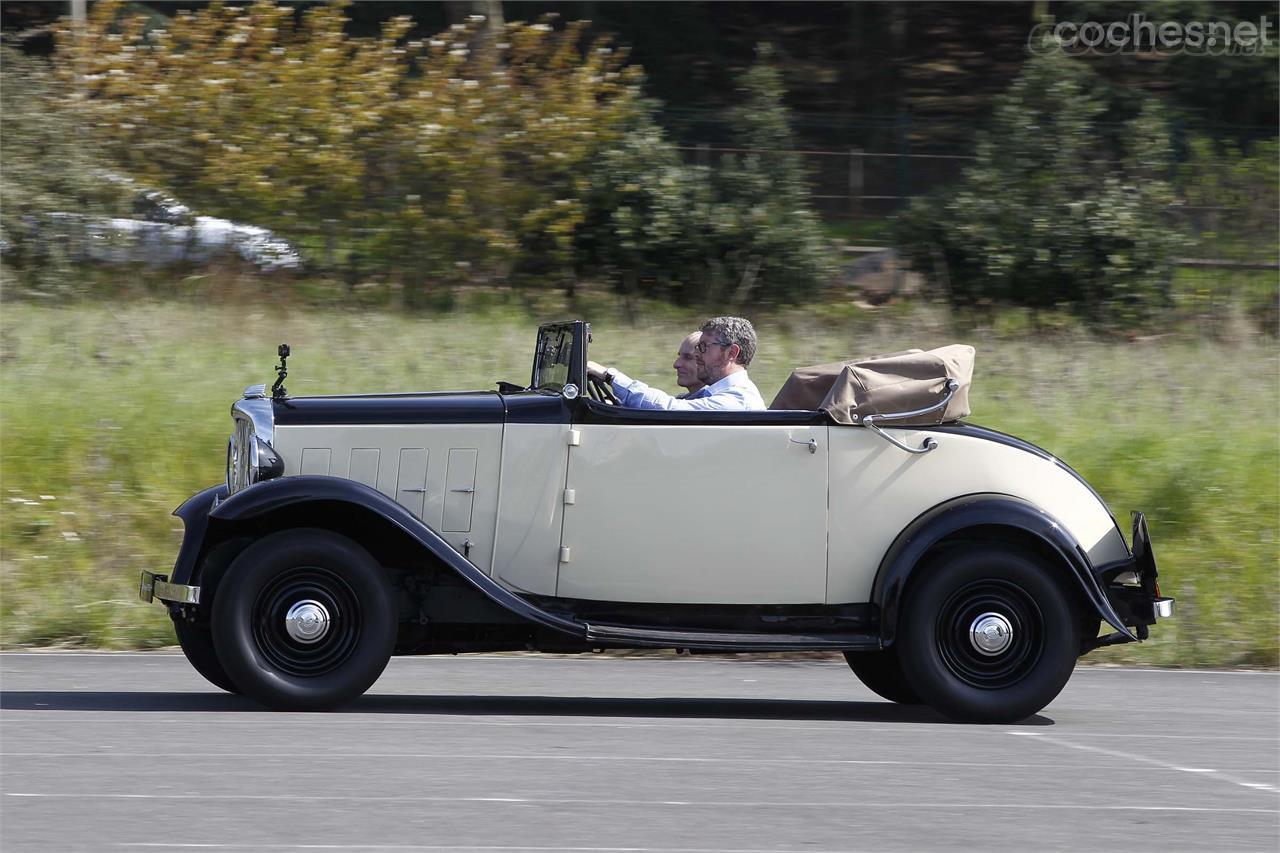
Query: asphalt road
537	753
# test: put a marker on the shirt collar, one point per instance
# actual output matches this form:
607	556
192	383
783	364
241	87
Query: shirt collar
738	377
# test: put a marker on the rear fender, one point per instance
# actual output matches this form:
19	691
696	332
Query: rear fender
985	512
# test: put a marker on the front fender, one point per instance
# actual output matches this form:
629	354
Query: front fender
982	511
290	492
194	513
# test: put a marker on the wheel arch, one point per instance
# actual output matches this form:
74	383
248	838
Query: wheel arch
984	518
391	534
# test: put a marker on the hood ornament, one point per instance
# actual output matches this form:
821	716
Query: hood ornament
278	391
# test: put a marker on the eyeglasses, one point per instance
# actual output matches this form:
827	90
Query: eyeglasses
702	345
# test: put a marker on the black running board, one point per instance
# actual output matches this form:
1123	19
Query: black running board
730	641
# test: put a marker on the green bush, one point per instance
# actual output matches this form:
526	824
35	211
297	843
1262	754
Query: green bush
1050	214
742	230
524	155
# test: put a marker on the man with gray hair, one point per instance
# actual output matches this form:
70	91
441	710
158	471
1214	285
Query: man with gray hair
725	348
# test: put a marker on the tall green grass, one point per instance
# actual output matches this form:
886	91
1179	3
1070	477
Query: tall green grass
113	413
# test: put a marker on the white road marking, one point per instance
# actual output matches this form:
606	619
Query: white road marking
469	847
555	801
441	756
1130	756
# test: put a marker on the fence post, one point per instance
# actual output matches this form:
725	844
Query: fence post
855	185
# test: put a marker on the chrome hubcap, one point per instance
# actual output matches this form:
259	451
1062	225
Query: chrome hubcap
990	634
307	621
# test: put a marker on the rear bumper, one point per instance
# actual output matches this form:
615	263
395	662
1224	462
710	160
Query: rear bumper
1133	588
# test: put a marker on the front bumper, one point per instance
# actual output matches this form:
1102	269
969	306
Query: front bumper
153	586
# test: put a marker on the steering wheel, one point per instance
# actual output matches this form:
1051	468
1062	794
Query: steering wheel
600	391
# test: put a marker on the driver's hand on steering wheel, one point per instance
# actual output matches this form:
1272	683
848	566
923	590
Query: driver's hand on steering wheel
596	370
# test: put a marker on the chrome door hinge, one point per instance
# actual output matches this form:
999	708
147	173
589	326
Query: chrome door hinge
575	437
564	553
570	496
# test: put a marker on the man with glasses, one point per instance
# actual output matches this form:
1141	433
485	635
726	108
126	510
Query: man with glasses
724	349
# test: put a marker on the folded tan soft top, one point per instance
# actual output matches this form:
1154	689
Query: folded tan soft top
884	384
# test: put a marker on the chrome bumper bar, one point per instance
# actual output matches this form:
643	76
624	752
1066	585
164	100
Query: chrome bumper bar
155	586
1162	608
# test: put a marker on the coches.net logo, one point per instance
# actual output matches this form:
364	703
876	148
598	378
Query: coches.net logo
1136	34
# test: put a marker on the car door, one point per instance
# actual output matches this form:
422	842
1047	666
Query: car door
695	513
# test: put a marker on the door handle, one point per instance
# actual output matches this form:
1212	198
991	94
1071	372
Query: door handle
812	443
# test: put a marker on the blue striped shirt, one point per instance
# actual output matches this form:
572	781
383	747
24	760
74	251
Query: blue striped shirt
735	392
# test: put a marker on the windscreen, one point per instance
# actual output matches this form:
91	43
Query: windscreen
552	360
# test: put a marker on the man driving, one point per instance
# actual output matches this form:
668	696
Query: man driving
725	347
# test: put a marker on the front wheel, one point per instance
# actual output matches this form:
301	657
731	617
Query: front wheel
197	644
304	620
988	634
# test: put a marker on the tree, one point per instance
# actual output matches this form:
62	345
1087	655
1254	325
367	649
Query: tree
1049	214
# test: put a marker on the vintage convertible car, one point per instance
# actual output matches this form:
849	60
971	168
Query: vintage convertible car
951	564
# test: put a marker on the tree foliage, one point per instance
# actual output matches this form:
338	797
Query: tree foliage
521	152
1049	213
743	229
463	151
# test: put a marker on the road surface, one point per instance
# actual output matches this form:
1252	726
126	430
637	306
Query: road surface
646	754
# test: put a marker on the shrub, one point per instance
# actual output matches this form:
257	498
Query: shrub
1049	214
462	152
741	230
524	154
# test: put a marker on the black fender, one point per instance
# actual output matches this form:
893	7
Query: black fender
194	513
982	510
272	495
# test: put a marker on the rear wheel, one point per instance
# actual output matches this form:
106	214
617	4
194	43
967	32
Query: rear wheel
304	620
988	634
882	673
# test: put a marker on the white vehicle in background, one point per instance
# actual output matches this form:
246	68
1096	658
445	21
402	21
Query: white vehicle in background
164	232
951	564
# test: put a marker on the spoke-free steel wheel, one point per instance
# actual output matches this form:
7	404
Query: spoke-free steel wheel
882	673
304	620
989	633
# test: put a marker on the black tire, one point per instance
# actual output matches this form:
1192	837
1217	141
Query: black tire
195	638
1018	673
882	673
197	644
306	569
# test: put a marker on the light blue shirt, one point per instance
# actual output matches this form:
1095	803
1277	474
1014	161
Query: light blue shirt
736	392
